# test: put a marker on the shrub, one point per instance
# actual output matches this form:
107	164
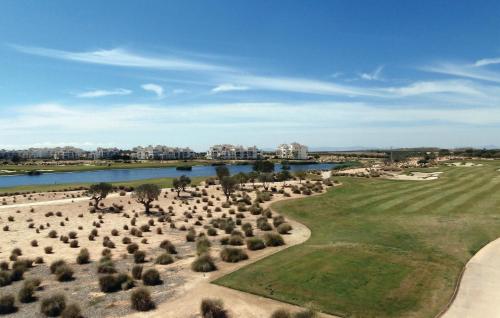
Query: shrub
233	255
55	264
5	278
7	304
164	259
126	240
83	257
273	239
132	248
137	271
151	277
235	240
53	234
139	256
141	300
213	308
115	232
203	263
64	273
39	260
308	313
191	236
112	283
34	243
106	266
284	228
25	294
277	220
73	244
72	235
168	246
48	249
255	243
281	313
53	306
72	311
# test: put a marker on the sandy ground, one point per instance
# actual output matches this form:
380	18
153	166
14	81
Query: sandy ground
39	197
479	293
183	289
415	176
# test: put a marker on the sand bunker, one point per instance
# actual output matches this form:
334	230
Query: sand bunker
415	176
464	164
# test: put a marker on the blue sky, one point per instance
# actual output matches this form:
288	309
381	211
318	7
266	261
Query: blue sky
195	73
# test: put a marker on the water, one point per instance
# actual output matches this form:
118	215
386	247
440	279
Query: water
120	175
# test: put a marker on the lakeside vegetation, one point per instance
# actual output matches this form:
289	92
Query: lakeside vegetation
381	248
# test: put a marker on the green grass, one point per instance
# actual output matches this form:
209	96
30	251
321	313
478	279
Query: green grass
382	248
23	168
162	182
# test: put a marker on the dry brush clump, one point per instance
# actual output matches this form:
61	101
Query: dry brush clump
7	304
213	308
140	300
53	306
203	263
233	255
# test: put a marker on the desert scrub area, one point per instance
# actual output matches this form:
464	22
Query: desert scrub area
382	248
129	252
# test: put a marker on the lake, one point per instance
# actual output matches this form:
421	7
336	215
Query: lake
120	175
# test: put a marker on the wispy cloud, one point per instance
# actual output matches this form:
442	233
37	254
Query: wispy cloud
228	88
484	62
123	57
434	87
102	93
155	88
373	76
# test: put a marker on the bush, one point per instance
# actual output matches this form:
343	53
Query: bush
191	236
233	255
139	256
151	277
255	243
235	240
164	259
284	228
72	311
83	257
132	248
141	300
5	278
168	246
126	240
106	266
64	273
115	282
281	313
25	294
73	244
308	313
277	220
55	264
203	263
48	249
137	271
7	304
53	306
213	308
273	239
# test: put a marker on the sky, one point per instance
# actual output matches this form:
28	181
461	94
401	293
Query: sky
331	73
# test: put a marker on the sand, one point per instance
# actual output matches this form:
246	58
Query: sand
415	176
464	164
183	289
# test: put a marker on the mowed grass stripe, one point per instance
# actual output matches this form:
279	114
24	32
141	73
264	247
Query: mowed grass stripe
439	199
396	197
469	197
423	199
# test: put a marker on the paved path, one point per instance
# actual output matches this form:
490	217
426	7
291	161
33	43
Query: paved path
479	292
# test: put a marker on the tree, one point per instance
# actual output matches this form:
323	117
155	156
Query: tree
228	186
301	175
145	194
263	166
241	178
181	184
99	192
265	178
283	176
252	176
222	171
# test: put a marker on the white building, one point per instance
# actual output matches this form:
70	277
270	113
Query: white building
162	153
294	151
231	152
106	153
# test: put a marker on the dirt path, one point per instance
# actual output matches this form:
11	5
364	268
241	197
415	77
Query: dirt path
479	293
